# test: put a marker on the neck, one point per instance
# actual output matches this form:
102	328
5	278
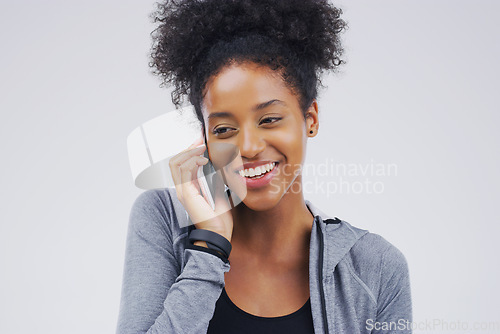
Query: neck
279	235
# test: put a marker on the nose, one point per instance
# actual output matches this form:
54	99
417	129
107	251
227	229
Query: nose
250	142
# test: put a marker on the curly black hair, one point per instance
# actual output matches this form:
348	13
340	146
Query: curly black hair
195	39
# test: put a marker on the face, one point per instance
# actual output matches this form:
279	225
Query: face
249	109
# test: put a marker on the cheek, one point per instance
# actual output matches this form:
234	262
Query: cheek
223	155
290	141
290	144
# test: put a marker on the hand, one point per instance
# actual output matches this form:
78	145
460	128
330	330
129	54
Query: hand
184	167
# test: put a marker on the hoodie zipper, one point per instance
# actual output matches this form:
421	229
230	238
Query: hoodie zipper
321	288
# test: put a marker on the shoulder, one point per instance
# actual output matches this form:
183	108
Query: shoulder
373	249
154	202
153	212
374	252
377	264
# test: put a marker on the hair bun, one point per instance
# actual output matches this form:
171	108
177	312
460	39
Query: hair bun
188	29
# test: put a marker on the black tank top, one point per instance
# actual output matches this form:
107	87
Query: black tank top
230	319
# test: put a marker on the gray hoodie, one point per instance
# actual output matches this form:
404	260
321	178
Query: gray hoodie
358	281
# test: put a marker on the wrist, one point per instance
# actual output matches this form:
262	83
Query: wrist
200	243
213	240
204	244
222	233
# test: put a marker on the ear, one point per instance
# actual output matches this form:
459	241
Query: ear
312	119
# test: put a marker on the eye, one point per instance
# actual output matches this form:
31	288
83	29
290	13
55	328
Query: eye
270	120
221	130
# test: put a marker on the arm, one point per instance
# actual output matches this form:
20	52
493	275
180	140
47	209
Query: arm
394	307
156	296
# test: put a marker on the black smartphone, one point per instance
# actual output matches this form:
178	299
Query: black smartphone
206	173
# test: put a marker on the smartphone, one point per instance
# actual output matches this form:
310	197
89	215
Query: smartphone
206	174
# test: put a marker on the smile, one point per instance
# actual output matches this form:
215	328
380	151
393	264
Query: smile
257	172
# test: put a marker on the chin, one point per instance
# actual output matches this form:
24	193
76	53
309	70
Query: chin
258	199
261	202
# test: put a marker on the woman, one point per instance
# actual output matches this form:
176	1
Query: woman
250	69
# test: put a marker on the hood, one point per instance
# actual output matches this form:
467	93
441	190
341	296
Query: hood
331	240
339	237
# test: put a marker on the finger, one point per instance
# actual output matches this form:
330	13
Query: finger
182	156
195	203
188	175
176	161
199	209
196	143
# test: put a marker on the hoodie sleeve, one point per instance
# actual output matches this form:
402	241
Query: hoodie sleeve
394	307
157	297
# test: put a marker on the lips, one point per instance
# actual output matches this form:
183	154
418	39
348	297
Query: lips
256	168
258	171
263	177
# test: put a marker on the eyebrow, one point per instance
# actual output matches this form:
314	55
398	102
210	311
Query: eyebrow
259	106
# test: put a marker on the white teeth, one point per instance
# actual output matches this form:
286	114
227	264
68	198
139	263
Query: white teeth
258	171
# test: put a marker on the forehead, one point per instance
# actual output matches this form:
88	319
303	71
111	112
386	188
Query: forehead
241	87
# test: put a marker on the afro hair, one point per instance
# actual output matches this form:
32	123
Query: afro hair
195	39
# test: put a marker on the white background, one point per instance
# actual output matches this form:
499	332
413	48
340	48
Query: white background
419	91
